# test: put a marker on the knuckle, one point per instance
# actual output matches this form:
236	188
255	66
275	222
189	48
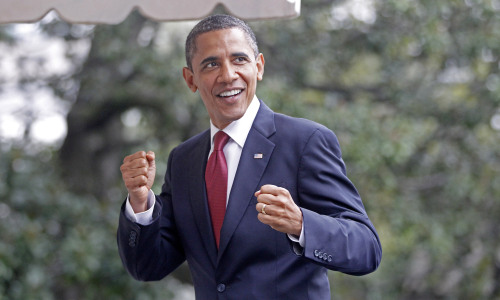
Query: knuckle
141	162
139	180
281	201
282	191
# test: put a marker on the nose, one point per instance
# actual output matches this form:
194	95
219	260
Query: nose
227	73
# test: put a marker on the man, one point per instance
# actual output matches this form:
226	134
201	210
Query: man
288	210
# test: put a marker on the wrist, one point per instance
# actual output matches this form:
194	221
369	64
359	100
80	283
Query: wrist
138	205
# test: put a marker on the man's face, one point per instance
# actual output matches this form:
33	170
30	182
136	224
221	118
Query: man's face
225	72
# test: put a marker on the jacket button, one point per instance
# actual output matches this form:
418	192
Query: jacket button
132	238
221	287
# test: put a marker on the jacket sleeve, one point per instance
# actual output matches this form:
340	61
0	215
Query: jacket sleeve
338	233
153	251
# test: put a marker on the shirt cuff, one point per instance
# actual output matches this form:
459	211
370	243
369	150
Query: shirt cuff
298	241
142	218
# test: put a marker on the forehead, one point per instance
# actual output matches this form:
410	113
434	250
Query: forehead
232	39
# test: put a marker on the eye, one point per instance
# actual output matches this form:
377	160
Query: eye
211	65
241	59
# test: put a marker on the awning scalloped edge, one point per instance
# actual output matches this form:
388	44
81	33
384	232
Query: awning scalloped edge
115	11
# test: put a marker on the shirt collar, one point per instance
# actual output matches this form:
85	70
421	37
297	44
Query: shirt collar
238	130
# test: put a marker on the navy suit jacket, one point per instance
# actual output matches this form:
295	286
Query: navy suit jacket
254	261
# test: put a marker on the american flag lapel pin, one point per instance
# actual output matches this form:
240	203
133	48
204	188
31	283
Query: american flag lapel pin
258	155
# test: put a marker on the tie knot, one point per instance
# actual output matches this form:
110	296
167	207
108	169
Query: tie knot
220	140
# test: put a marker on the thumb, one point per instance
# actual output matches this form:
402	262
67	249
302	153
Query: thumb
151	159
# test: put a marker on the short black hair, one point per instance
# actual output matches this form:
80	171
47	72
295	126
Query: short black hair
218	22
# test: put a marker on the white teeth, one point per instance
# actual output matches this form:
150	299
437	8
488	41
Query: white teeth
230	93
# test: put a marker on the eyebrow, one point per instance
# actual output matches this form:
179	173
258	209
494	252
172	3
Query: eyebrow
208	59
239	54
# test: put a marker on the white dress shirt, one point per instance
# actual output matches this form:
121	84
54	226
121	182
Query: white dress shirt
237	131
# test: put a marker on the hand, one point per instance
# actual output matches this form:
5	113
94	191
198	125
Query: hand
138	173
281	212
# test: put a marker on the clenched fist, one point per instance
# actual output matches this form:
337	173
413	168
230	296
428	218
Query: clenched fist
277	209
138	173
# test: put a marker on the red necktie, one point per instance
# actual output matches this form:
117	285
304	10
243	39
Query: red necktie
216	181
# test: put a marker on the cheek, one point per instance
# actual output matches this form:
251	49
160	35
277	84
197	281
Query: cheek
204	84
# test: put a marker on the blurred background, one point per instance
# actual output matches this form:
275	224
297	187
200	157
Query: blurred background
410	87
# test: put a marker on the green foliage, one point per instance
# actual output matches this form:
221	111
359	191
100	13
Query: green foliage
56	244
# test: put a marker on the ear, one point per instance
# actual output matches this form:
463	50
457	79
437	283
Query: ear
260	66
189	78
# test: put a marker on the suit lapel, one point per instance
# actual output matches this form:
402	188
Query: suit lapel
253	161
198	195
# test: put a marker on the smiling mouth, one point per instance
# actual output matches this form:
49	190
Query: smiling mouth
230	93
